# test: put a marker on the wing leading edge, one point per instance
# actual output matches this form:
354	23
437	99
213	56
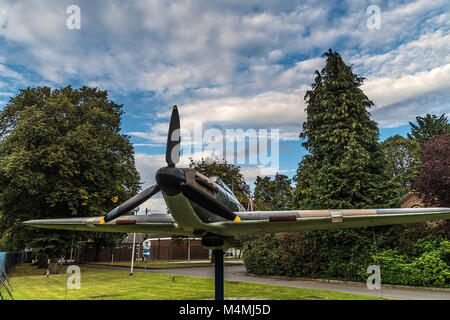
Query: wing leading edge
308	220
154	223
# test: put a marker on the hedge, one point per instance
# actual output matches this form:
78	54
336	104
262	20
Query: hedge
406	258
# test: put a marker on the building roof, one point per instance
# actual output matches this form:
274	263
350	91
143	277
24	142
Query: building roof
411	200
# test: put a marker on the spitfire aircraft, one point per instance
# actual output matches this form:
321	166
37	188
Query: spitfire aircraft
205	207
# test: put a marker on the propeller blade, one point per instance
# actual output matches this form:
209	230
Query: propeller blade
130	203
207	202
173	139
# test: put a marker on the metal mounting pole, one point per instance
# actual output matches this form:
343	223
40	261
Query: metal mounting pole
218	269
132	254
71	248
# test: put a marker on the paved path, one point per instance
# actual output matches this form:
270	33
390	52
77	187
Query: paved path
239	273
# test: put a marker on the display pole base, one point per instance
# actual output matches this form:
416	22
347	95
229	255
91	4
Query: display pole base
218	269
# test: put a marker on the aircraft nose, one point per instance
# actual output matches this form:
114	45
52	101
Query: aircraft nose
169	179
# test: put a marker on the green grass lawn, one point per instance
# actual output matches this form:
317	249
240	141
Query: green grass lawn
31	283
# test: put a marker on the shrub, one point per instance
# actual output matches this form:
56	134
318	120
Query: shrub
429	269
261	257
407	258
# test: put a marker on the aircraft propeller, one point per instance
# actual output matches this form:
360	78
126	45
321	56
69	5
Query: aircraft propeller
172	181
173	139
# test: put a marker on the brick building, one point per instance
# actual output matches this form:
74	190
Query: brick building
410	200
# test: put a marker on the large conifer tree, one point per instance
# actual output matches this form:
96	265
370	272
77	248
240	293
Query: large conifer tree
347	162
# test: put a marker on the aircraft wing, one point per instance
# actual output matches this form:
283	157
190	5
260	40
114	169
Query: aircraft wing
253	221
153	223
298	220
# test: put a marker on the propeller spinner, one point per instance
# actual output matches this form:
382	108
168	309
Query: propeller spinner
172	180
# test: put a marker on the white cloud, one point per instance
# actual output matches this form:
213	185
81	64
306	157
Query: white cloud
250	173
428	51
269	110
227	63
166	47
32	22
8	73
386	91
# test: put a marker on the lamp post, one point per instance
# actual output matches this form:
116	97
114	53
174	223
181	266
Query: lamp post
189	250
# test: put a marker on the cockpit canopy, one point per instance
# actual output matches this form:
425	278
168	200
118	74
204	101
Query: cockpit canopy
227	196
219	181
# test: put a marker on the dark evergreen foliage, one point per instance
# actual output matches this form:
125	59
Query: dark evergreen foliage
428	126
346	163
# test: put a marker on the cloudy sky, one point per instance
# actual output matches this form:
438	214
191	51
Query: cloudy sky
228	64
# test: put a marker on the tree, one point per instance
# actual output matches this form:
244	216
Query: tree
345	168
428	126
402	160
228	172
346	160
433	179
302	181
105	240
273	194
61	155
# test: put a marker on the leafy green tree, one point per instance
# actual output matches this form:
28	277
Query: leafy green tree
61	155
302	180
228	172
348	166
273	194
433	180
240	241
428	126
105	240
402	160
